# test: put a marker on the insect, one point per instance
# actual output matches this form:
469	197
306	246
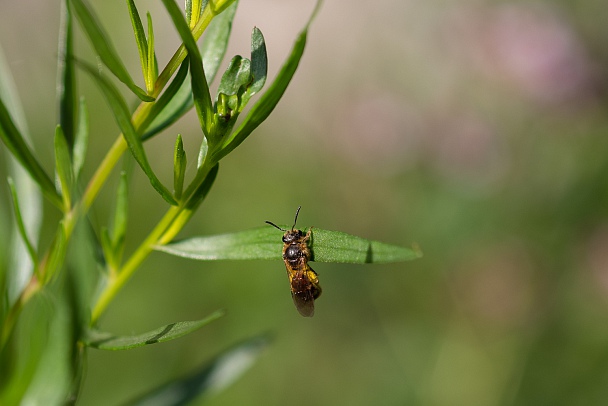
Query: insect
303	279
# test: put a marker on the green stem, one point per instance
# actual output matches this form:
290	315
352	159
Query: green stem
170	225
94	186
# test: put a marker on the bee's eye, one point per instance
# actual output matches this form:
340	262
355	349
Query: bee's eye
290	236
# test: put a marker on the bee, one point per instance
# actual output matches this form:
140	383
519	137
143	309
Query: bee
303	279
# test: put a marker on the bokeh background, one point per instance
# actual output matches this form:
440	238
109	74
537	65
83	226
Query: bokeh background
476	129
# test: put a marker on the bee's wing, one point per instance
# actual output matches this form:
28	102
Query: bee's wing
305	302
302	294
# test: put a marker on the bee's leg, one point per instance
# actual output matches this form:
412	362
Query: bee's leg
307	236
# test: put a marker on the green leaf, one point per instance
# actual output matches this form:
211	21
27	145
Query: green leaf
140	39
200	87
119	227
14	141
152	73
53	377
266	243
56	258
104	48
21	227
108	341
63	167
123	119
19	266
201	192
236	77
68	109
81	140
264	106
215	41
37	368
210	378
171	105
179	167
259	66
213	49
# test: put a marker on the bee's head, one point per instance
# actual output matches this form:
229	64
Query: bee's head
290	235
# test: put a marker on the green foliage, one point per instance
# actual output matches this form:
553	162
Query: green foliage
108	341
54	299
265	243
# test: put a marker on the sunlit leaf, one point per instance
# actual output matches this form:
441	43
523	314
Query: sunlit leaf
140	39
213	49
171	105
259	66
200	87
267	102
104	48
123	119
209	379
266	243
151	61
109	341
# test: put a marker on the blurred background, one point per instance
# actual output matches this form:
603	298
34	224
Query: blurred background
476	129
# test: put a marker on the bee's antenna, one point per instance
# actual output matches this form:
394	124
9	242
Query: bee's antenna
274	225
295	220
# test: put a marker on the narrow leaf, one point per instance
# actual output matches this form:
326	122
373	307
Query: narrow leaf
213	48
210	378
107	248
140	39
19	266
215	41
14	141
200	88
66	86
57	254
259	66
104	48
266	104
201	192
123	119
63	167
179	167
81	140
266	243
151	61
173	103
119	227
109	341
21	224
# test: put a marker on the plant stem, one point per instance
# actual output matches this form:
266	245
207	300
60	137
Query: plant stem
169	226
94	186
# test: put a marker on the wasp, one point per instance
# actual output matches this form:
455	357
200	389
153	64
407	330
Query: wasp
303	279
